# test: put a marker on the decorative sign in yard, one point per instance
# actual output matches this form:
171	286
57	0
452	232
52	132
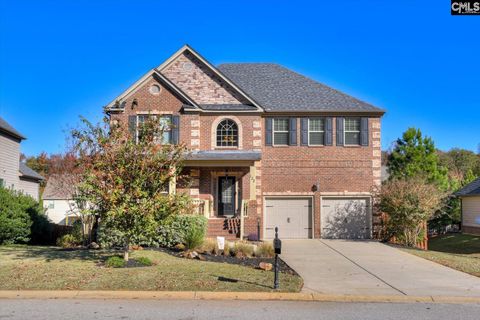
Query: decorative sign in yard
221	243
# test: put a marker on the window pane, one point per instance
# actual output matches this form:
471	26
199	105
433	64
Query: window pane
227	134
280	138
165	122
352	124
352	138
166	137
316	125
316	138
280	124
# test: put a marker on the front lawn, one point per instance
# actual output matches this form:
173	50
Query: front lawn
457	251
50	268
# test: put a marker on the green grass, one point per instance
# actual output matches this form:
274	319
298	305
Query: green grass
457	251
49	268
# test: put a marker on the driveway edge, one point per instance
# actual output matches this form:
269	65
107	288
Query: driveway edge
207	295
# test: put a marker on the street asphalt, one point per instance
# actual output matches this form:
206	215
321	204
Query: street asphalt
12	309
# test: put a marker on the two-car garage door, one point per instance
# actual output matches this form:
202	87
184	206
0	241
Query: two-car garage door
341	218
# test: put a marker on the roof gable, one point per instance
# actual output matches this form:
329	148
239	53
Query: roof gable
116	104
202	81
277	88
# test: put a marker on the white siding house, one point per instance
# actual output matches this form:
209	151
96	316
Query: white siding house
470	196
58	200
14	174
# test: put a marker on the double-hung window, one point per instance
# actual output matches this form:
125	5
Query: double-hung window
316	131
352	131
280	132
165	126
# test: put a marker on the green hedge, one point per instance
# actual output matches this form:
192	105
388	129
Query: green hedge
167	233
22	219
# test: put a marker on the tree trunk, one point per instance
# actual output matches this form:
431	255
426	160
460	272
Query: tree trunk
125	251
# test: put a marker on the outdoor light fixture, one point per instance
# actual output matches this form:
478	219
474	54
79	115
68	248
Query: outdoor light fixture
316	187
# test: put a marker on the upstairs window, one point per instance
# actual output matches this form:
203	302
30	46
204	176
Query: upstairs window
316	131
352	131
280	132
164	122
227	134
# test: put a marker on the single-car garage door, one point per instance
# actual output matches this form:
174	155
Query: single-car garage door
292	216
345	218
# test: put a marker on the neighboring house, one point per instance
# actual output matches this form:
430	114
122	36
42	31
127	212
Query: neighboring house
14	174
470	197
58	200
269	146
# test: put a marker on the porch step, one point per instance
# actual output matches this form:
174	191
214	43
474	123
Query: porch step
228	228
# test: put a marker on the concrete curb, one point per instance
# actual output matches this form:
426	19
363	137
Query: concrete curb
245	296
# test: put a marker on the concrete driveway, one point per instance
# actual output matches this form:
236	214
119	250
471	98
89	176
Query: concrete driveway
372	268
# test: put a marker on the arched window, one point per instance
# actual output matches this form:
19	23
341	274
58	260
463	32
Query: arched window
227	134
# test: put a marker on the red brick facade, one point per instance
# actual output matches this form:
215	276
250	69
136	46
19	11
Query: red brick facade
285	170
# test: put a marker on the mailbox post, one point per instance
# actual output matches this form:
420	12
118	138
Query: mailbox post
277	246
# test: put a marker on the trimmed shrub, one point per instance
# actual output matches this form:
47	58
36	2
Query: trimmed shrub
144	261
21	217
169	233
265	250
68	241
177	228
115	262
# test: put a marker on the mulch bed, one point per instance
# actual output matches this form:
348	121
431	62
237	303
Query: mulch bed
246	262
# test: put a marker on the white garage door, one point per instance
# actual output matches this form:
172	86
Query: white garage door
292	216
345	218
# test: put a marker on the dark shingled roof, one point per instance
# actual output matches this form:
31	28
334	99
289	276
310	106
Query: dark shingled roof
470	189
26	172
5	127
228	107
59	187
225	155
277	88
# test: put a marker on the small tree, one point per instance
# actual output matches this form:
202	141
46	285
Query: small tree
127	177
408	202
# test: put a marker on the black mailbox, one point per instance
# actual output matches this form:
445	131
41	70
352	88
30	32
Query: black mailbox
277	245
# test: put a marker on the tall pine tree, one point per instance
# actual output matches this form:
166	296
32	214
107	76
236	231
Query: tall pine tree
416	156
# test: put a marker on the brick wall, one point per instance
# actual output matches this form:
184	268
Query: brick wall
199	82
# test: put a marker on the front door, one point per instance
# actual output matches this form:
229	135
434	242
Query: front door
226	196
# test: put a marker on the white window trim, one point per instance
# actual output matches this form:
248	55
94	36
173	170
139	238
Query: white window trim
275	131
308	132
158	115
350	131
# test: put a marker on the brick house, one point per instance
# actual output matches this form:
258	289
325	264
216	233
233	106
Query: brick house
269	147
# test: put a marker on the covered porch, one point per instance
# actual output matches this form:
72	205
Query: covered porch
223	188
